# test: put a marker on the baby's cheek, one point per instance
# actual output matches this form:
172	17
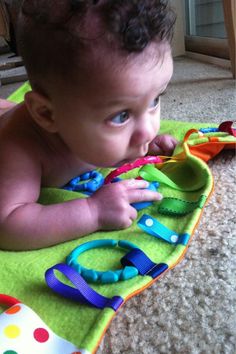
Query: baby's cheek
114	150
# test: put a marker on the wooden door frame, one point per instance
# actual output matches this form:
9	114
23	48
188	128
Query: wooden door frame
230	25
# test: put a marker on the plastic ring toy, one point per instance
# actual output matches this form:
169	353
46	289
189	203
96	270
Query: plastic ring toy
94	181
110	276
209	130
130	166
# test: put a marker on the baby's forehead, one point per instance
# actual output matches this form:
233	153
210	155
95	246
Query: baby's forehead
132	76
104	56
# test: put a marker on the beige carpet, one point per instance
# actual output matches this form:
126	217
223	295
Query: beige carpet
191	309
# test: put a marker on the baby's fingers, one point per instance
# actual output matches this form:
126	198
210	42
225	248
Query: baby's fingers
135	183
143	195
137	191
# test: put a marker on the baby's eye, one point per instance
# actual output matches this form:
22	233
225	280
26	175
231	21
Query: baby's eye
155	103
120	118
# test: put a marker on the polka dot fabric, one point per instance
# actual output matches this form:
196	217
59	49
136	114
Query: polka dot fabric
23	332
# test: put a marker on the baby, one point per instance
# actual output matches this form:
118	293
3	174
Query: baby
97	71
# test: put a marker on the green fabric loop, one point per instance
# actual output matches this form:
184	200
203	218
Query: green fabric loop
178	207
152	174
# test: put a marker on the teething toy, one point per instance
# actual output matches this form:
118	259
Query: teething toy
94	181
105	277
130	166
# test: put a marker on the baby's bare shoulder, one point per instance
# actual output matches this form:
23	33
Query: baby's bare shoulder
20	173
17	133
24	146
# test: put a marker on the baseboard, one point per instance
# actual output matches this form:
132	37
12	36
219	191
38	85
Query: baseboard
208	59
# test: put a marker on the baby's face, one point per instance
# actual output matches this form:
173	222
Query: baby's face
116	114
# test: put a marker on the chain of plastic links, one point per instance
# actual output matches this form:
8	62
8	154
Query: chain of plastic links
93	180
104	277
83	293
130	166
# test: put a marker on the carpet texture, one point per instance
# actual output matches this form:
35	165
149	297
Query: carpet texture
191	309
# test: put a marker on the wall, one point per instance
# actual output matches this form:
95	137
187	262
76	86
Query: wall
178	40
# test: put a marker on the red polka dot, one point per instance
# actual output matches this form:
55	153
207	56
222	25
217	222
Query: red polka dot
41	335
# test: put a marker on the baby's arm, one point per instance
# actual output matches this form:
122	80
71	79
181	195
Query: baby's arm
162	145
25	224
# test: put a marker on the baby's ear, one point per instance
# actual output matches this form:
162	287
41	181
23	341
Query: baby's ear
41	110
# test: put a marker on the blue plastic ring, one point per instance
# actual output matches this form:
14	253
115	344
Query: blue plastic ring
93	181
109	276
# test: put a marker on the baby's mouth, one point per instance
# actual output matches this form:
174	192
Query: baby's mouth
142	152
126	161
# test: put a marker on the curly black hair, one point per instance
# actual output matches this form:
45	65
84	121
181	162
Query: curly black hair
48	28
139	22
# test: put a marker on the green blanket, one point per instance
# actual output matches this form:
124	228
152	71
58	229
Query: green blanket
22	273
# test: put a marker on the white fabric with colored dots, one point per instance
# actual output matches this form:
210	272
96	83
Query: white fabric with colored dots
23	332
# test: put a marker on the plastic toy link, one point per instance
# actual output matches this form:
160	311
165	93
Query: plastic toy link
209	130
94	181
94	276
135	262
130	166
225	127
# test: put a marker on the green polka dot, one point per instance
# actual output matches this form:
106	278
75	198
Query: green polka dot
10	352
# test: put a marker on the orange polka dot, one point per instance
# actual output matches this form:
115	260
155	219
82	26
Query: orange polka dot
12	310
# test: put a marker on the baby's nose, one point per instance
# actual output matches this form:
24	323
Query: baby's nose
145	131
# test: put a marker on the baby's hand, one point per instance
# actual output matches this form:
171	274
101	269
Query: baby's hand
162	145
111	207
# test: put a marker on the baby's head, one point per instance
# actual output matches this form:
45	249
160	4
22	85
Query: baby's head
98	62
58	40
